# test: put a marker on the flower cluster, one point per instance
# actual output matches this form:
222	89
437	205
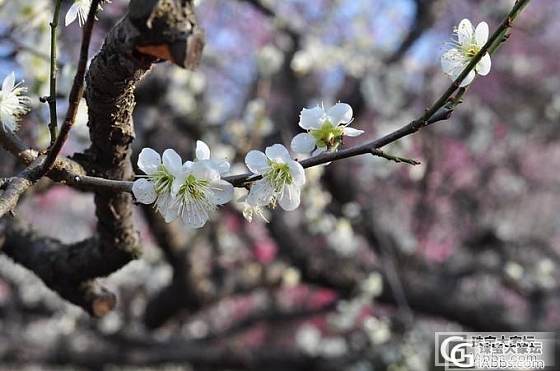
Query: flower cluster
13	103
469	42
191	191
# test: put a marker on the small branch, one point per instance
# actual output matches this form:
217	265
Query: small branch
64	169
397	159
76	92
17	186
51	100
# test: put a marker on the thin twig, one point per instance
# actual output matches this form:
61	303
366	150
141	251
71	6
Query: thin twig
397	159
51	100
76	92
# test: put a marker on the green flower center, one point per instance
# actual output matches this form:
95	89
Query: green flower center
471	50
162	179
279	175
327	135
194	188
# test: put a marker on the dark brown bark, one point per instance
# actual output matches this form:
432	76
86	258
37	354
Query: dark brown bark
111	81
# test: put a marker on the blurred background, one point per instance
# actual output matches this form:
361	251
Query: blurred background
378	257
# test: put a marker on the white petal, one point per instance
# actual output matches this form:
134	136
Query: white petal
71	14
202	150
452	61
202	170
465	31
222	166
468	79
290	198
303	143
9	83
178	181
298	173
171	212
261	193
149	161
483	67
187	166
172	162
256	161
311	118
278	153
8	122
481	34
166	205
195	218
340	113
222	192
144	191
351	132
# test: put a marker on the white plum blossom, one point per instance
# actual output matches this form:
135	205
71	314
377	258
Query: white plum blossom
198	191
13	103
282	178
157	185
469	42
325	128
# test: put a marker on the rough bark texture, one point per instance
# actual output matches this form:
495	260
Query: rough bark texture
111	81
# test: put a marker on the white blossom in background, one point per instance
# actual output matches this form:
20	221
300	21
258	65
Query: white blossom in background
184	88
282	178
347	313
334	346
544	274
269	60
198	191
514	270
378	330
13	103
341	238
79	10
372	286
308	338
157	185
468	44
325	128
